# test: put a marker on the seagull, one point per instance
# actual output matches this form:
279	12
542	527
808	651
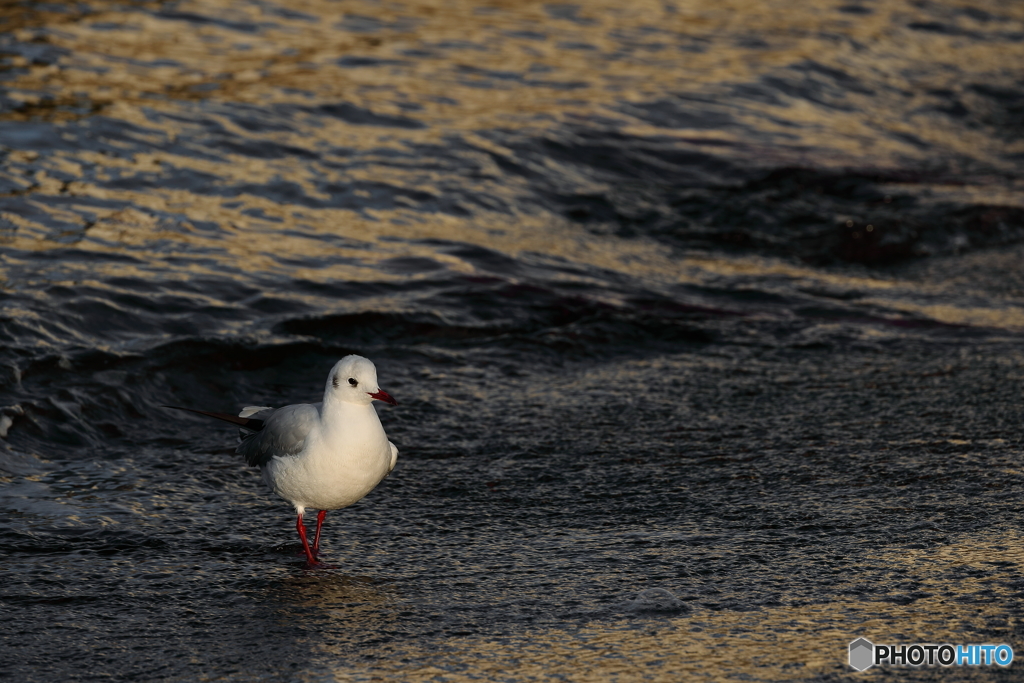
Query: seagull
323	456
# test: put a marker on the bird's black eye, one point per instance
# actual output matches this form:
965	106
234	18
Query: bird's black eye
352	381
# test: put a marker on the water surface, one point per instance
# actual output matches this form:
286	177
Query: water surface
724	299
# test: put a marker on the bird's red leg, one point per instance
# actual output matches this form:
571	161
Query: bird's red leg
316	539
310	557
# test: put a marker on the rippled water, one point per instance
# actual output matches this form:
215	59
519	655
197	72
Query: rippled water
723	299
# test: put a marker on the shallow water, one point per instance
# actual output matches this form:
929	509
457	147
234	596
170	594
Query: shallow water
724	299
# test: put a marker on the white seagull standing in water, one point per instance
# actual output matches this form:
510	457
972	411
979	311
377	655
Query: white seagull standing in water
323	456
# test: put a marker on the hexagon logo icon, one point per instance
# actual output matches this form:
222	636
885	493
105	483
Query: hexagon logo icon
862	654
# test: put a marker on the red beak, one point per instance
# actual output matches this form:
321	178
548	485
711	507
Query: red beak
384	396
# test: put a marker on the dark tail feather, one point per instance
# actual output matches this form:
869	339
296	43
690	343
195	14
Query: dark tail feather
246	422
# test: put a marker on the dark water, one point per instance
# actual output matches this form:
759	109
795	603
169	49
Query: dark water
721	298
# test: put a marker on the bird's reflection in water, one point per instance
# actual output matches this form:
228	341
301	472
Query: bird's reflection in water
342	596
340	618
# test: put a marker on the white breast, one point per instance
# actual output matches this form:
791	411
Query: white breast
344	458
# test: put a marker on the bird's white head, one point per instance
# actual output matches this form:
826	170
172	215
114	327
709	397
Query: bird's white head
353	379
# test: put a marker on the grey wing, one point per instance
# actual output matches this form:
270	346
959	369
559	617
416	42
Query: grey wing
284	433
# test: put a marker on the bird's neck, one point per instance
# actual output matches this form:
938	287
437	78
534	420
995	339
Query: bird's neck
345	413
353	427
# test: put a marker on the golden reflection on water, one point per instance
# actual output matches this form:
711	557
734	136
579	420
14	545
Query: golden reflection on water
465	67
605	51
770	643
459	69
533	62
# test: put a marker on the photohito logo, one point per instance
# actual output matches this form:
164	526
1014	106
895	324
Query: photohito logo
864	654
